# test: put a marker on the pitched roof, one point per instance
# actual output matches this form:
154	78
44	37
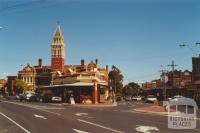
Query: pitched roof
58	35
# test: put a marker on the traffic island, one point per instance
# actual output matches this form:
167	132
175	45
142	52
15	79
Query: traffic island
154	109
106	104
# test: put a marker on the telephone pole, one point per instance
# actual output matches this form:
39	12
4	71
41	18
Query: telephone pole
164	80
173	68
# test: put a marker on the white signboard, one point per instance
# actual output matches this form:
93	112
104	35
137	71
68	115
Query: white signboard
182	119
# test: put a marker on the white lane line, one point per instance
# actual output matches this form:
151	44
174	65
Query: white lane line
49	111
81	114
25	130
98	125
79	131
40	116
34	107
146	129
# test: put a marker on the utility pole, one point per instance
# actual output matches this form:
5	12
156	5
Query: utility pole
173	68
164	80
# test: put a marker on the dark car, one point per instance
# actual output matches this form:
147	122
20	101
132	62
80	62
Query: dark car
118	98
35	97
45	98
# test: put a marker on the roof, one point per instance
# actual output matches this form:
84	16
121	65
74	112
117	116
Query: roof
42	67
72	84
58	36
28	68
183	101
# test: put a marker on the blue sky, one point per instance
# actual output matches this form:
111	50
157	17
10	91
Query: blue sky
138	36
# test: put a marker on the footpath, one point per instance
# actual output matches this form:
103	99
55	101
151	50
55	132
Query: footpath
154	109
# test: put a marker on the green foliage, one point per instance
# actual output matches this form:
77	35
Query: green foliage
20	86
116	80
131	89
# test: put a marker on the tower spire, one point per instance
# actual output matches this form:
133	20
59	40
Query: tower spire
58	37
57	51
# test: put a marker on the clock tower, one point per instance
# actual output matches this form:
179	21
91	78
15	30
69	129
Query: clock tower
58	51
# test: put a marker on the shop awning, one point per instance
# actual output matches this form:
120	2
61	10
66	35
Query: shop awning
72	84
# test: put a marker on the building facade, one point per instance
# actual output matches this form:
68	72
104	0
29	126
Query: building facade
10	85
84	81
43	75
28	74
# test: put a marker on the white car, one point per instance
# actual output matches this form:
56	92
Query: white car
28	95
175	97
56	99
136	98
151	98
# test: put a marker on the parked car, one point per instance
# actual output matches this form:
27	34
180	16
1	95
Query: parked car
151	98
29	96
175	97
56	99
15	97
118	98
45	98
136	98
35	97
127	98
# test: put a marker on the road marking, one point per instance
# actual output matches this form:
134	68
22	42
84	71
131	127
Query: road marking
146	129
81	114
25	130
34	107
40	116
196	129
98	125
49	112
79	131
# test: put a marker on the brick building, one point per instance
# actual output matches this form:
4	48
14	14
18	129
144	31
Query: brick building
10	85
2	85
196	72
81	80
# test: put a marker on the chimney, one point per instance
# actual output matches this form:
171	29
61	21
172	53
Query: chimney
40	62
107	68
96	61
82	63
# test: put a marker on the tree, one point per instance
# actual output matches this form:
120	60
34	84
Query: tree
20	86
131	89
116	80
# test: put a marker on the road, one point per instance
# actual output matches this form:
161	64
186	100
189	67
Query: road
23	117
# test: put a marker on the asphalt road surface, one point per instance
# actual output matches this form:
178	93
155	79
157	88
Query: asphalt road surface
23	117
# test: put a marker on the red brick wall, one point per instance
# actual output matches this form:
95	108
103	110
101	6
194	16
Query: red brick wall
57	64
